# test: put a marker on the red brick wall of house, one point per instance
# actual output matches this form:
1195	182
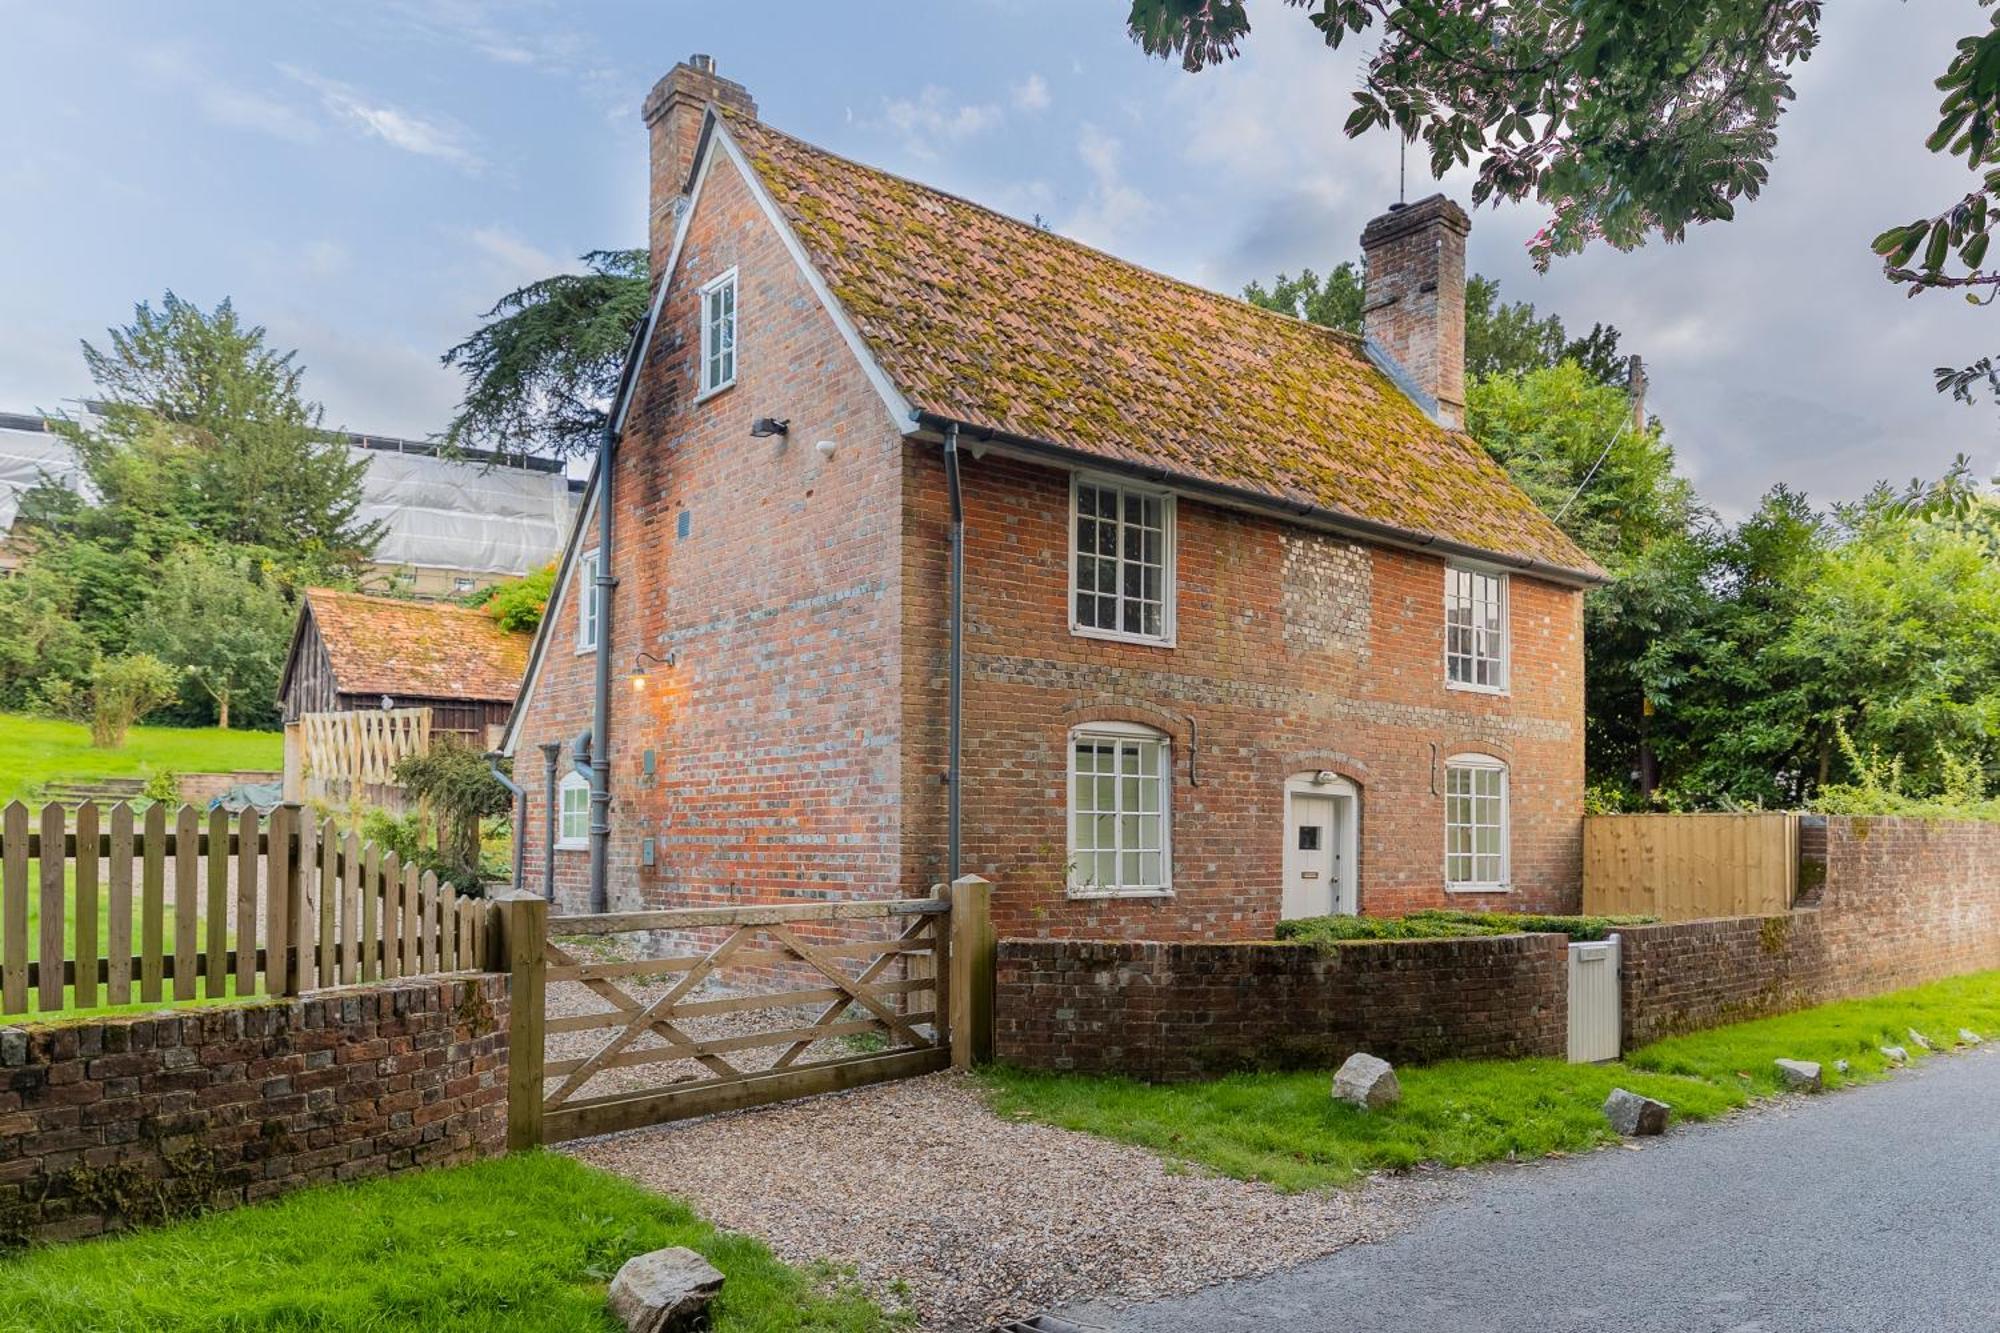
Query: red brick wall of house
775	741
1295	652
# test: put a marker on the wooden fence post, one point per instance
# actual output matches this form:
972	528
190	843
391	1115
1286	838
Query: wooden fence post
523	920
971	971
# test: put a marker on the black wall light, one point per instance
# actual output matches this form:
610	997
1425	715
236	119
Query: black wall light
764	426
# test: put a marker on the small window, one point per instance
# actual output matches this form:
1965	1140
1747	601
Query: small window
1475	629
718	334
1475	823
586	603
573	827
462	585
1120	777
1122	562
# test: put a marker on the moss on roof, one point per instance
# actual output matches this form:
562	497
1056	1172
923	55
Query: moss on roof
989	321
424	650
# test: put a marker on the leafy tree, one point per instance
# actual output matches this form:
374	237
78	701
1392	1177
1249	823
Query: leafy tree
40	637
1625	120
217	617
204	437
542	367
1334	300
519	604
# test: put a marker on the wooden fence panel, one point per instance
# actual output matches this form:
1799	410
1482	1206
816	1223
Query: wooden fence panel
53	908
187	881
1684	867
14	909
216	983
118	940
86	902
153	905
247	898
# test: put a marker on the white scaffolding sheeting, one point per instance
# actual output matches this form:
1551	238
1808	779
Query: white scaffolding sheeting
441	514
25	457
436	513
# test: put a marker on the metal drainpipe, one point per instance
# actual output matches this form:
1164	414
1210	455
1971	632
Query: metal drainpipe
957	670
600	724
520	796
550	752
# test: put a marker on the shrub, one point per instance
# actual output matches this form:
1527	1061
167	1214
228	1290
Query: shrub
1879	787
518	604
164	787
1444	924
119	691
454	782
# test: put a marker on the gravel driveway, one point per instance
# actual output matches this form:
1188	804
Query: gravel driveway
918	1187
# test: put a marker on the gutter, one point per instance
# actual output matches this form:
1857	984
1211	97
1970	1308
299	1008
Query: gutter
956	691
600	707
1236	497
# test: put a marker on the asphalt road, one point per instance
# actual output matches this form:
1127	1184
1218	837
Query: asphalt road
1875	1208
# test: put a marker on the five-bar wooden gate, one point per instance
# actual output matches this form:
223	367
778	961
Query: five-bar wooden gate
636	1018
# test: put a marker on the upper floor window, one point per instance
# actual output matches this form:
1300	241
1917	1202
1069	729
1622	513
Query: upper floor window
586	603
1475	629
573	830
1475	822
1119	842
718	333
1122	562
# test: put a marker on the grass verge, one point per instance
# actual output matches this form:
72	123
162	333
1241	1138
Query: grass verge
517	1244
38	750
1287	1130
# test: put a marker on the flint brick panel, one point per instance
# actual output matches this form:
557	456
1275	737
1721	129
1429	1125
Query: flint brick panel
1173	1012
121	1121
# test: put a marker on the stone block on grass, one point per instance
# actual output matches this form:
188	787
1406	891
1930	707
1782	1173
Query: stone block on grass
1897	1055
1970	1038
1920	1041
1801	1075
1367	1082
665	1291
1632	1115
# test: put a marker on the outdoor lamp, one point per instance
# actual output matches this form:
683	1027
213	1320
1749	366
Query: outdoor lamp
638	676
763	426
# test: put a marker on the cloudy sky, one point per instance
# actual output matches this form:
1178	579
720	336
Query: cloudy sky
365	177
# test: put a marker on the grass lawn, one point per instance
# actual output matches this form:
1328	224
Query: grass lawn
1286	1129
35	750
520	1243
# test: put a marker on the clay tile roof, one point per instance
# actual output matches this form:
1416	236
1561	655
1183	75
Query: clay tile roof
425	650
991	322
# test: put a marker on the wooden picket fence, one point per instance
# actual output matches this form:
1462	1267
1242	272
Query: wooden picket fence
304	908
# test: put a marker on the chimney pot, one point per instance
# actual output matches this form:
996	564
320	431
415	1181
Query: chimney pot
1413	303
673	113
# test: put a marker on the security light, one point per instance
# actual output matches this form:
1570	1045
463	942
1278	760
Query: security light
764	426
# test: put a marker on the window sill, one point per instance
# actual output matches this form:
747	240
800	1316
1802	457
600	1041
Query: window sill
1479	888
1116	636
716	392
1113	895
1465	687
585	649
573	846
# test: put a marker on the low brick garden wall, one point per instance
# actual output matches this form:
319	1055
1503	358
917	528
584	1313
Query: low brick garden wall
1172	1012
109	1122
1687	975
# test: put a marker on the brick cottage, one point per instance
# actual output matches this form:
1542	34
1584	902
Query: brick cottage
1250	627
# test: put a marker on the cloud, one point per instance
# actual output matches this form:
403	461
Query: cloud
930	120
513	261
1114	205
226	104
1031	94
396	127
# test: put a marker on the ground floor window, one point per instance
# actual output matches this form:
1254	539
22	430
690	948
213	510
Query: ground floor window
573	829
1475	822
1120	775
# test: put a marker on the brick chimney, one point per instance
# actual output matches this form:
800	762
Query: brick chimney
673	113
1413	305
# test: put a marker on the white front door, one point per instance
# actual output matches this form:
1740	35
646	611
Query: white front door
1312	856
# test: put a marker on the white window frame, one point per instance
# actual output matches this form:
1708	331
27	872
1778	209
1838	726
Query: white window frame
1120	733
1480	763
727	278
572	781
1168	582
586	603
1503	593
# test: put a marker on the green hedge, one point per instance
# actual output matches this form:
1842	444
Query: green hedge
1442	924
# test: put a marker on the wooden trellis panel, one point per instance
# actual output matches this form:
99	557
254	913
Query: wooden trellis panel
345	750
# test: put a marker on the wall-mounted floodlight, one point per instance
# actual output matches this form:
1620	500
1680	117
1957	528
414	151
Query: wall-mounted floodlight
766	426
